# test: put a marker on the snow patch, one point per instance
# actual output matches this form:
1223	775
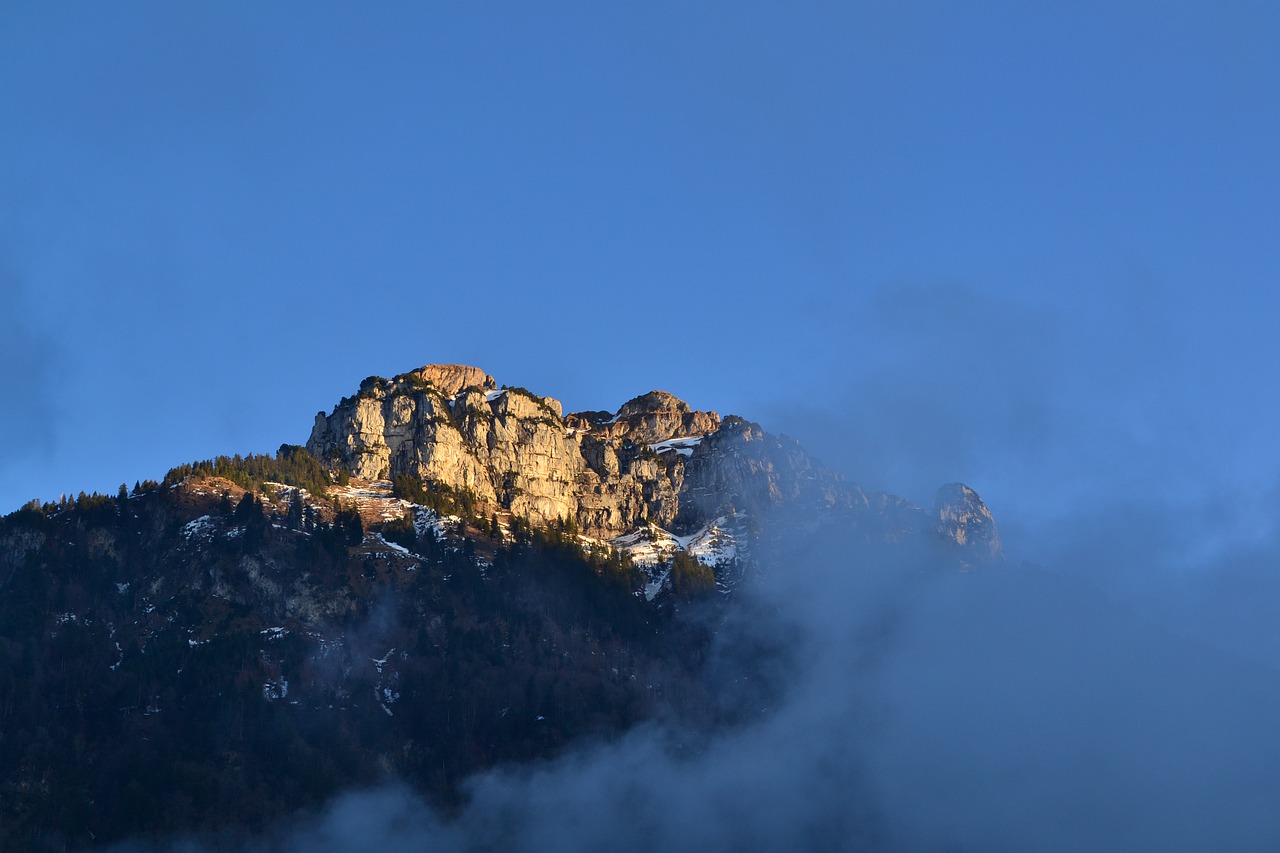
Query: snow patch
201	528
717	544
379	663
384	692
428	519
382	540
684	446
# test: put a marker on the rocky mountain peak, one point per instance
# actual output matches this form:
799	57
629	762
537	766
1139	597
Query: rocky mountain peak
656	417
344	604
654	401
657	461
449	379
965	520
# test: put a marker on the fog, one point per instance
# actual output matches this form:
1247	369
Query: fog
1013	707
1112	684
1025	246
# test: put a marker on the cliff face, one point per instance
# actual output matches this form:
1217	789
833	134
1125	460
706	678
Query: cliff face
656	461
516	450
509	447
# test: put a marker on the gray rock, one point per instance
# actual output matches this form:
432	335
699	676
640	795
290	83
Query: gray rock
964	520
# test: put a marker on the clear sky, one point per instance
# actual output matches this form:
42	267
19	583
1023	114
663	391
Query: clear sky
1030	246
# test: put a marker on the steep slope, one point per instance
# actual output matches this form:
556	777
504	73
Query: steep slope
195	657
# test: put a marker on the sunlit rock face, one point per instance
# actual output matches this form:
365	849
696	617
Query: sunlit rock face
452	425
658	416
452	378
655	461
509	448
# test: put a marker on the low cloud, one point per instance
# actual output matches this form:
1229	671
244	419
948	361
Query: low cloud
1113	685
1014	708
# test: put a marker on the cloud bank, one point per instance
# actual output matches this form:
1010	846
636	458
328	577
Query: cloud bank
1015	708
1112	686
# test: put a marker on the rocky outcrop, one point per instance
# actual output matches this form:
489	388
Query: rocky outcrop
451	425
654	461
965	521
657	416
508	448
449	379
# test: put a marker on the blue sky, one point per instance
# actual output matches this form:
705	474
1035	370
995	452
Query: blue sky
1030	246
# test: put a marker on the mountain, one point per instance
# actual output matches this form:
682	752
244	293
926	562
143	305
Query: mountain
451	575
653	462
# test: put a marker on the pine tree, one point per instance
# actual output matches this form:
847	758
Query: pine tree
294	518
689	577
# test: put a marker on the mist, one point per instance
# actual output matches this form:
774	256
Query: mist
1013	707
1111	684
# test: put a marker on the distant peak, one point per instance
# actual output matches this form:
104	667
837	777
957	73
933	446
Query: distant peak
965	519
955	494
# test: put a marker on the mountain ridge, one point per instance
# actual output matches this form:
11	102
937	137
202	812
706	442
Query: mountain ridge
656	460
253	635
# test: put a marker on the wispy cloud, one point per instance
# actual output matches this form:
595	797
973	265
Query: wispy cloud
27	382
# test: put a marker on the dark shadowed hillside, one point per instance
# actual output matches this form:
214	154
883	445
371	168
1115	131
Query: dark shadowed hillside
254	635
